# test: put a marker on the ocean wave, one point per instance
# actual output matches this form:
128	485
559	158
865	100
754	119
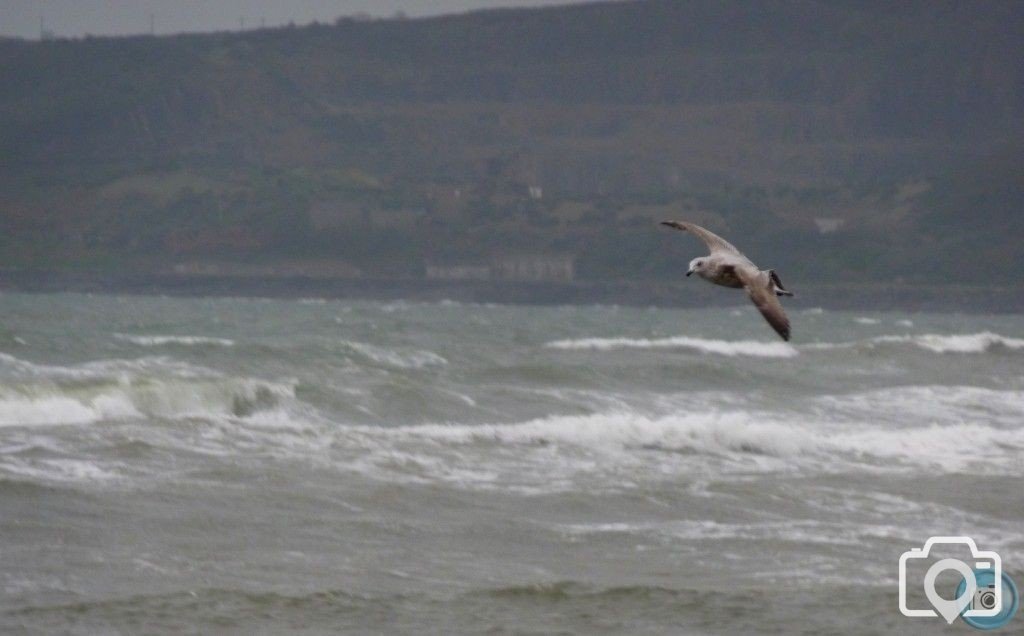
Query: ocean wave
171	398
615	449
801	531
114	368
959	343
65	470
753	348
982	342
158	341
411	359
60	409
568	589
929	403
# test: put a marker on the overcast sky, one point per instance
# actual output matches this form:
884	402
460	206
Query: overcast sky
74	18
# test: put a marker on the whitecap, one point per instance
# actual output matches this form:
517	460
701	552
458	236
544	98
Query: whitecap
614	449
931	403
411	359
863	320
136	397
67	470
936	343
157	341
753	348
53	409
958	343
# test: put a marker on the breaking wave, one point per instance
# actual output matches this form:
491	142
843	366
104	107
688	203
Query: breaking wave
158	398
731	432
414	359
936	343
720	347
125	389
158	341
965	343
60	409
616	449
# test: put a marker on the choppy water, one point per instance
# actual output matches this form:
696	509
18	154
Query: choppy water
246	466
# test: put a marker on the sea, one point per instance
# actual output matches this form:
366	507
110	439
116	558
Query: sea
318	466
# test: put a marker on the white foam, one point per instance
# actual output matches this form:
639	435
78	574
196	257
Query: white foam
936	343
397	306
66	470
60	409
952	448
113	369
929	404
414	359
803	531
622	450
753	348
863	320
49	410
968	343
158	341
128	397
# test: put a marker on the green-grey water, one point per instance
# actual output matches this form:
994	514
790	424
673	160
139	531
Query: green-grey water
252	466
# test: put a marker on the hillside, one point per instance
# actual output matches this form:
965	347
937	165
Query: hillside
839	140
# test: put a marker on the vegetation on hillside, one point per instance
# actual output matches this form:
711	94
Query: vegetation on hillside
392	143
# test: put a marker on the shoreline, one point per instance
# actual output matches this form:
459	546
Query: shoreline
682	294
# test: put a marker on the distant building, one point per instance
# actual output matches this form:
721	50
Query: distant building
557	268
458	272
313	268
828	225
536	268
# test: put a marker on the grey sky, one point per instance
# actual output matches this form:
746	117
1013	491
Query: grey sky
73	18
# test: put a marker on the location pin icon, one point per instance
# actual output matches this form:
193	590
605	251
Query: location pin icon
949	610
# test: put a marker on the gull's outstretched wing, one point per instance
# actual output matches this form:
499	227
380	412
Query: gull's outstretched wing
714	242
762	293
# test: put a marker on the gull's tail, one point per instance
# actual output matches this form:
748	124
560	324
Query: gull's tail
777	284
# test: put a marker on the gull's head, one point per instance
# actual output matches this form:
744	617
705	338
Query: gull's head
697	265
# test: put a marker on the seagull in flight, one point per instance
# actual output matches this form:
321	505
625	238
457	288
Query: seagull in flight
727	266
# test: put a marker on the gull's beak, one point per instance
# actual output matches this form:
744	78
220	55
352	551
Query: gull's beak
689	272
